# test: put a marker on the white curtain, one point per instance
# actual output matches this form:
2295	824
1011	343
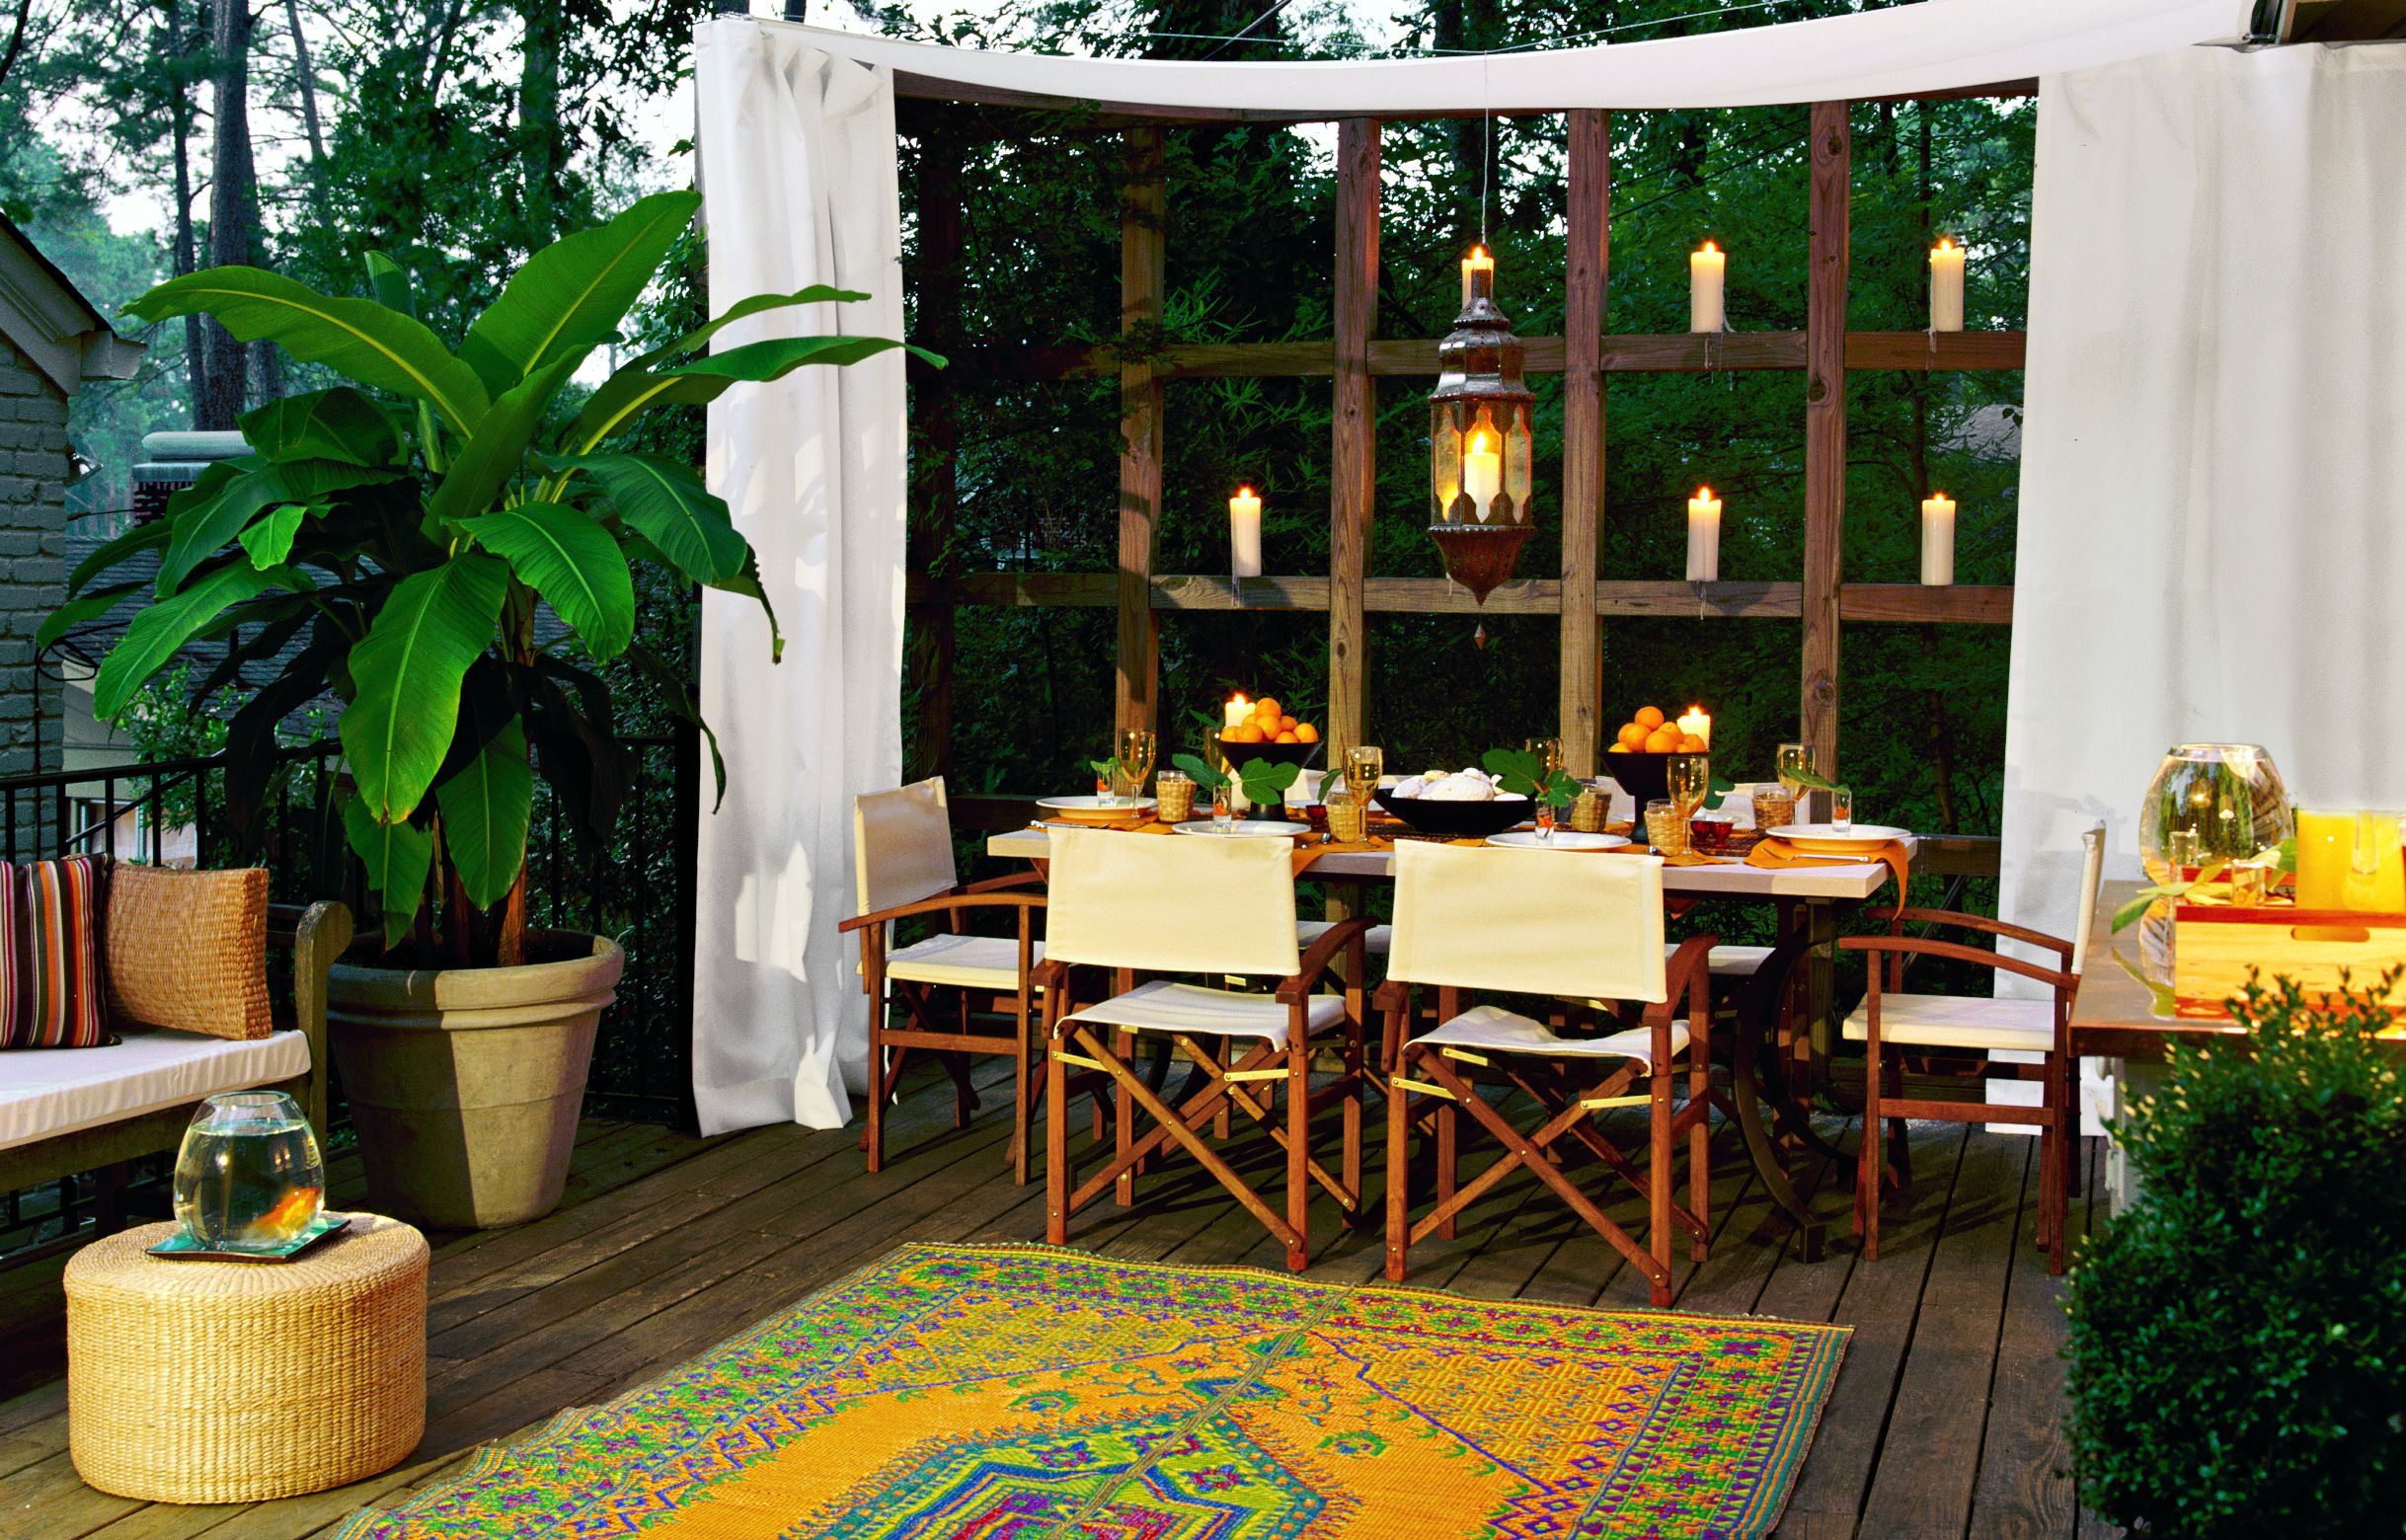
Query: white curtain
799	186
2213	524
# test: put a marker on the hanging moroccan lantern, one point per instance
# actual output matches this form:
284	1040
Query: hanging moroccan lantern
1480	443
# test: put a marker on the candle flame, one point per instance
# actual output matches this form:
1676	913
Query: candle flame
1245	490
1946	244
1482	441
1478	254
1704	494
1708	246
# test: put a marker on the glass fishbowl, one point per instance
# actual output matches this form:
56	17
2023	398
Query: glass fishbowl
249	1176
2209	804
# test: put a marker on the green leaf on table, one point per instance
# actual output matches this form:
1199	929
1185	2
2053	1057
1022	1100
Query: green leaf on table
2145	898
1103	769
1201	771
669	506
398	857
360	338
342	424
1717	791
156	635
406	673
487	805
572	293
573	562
1264	783
1524	774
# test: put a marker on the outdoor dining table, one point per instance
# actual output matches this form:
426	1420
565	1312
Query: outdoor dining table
1770	1091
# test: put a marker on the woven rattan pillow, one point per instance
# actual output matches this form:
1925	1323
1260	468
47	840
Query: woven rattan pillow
188	950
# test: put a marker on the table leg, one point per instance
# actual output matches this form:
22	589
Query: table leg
1760	1022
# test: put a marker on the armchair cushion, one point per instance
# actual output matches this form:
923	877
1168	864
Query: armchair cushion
1958	1021
1498	1031
964	962
188	950
1162	1006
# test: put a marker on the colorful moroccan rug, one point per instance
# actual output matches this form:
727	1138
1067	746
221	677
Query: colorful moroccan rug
1012	1393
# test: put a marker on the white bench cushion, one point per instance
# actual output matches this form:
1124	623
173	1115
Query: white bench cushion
1499	1030
1922	1021
46	1092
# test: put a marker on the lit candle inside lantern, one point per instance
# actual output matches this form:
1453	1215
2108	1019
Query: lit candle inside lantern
1696	724
1245	533
1478	262
1236	713
1704	537
1706	267
1483	469
1937	539
1945	286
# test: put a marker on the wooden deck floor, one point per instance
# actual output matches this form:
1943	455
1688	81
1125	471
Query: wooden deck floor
1945	1420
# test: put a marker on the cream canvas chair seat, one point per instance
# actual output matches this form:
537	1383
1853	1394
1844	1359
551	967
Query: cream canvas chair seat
1889	1017
1575	929
1121	904
1162	1006
1732	962
1377	940
962	961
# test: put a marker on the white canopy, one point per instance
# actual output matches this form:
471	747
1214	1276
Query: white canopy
1933	46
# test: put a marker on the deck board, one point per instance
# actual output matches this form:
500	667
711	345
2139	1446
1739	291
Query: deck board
1947	1417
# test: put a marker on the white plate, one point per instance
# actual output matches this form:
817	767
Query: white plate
1564	839
1823	838
1246	828
1097	809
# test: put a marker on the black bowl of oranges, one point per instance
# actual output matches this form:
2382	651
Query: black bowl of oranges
1270	734
1641	753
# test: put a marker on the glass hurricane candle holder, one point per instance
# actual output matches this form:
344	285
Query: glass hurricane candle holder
249	1175
2209	804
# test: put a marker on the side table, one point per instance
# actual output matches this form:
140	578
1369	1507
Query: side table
244	1381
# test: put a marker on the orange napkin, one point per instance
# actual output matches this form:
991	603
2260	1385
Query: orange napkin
1777	854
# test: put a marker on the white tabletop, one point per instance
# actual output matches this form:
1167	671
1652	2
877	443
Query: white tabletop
1732	878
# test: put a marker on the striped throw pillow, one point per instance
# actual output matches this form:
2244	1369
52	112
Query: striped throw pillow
49	955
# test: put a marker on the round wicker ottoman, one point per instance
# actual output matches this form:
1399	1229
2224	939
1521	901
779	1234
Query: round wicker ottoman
242	1381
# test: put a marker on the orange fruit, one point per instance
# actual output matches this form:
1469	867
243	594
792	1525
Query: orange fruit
1286	737
1633	736
1618	749
1287	724
1690	743
1267	707
1663	741
1305	732
1250	732
1649	717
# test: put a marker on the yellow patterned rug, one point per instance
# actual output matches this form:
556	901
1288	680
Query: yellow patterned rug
1017	1392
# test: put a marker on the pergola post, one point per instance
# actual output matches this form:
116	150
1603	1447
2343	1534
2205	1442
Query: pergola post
1354	433
1825	428
1143	249
936	414
1586	275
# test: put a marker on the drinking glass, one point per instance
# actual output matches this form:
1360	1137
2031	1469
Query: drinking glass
1545	821
247	1176
1774	809
1223	808
2251	882
1177	794
1137	748
1792	758
1364	765
1689	778
1547	752
1666	827
1842	809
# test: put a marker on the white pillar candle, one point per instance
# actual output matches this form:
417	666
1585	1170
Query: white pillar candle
1236	713
1477	263
1704	537
1697	724
1706	267
1245	533
1945	286
1483	469
1937	539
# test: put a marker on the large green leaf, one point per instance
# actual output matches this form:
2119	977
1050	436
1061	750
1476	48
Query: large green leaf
668	503
159	631
813	294
677	687
148	535
78	611
747	583
571	561
487	805
360	338
634	390
572	293
398	857
203	531
406	673
270	541
341	423
496	450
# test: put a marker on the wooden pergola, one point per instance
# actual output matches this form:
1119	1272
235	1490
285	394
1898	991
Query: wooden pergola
1352	358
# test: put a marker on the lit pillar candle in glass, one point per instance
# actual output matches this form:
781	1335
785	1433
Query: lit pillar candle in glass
1236	713
1937	539
1704	537
1245	533
1478	262
1483	469
1697	724
1706	267
1945	286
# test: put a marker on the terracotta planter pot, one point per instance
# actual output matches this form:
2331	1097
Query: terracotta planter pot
465	1084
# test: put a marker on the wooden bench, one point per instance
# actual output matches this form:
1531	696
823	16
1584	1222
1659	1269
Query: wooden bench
315	937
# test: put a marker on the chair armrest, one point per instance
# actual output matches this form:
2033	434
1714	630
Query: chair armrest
1918	946
1392	995
942	904
993	884
319	939
1982	923
1691	963
1344	933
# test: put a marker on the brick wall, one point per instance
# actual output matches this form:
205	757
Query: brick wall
32	557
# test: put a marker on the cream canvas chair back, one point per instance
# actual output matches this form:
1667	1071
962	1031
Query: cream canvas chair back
2092	870
1172	904
1528	921
902	845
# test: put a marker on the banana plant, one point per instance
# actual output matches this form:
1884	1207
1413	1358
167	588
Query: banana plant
392	538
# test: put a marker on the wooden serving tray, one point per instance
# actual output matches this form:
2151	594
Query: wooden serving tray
2214	946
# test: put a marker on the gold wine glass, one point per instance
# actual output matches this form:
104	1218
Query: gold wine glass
1792	758
1137	749
1364	768
1547	752
1689	778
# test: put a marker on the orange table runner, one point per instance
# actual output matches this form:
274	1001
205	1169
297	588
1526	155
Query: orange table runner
1775	854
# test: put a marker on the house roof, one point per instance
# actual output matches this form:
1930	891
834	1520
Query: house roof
50	321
